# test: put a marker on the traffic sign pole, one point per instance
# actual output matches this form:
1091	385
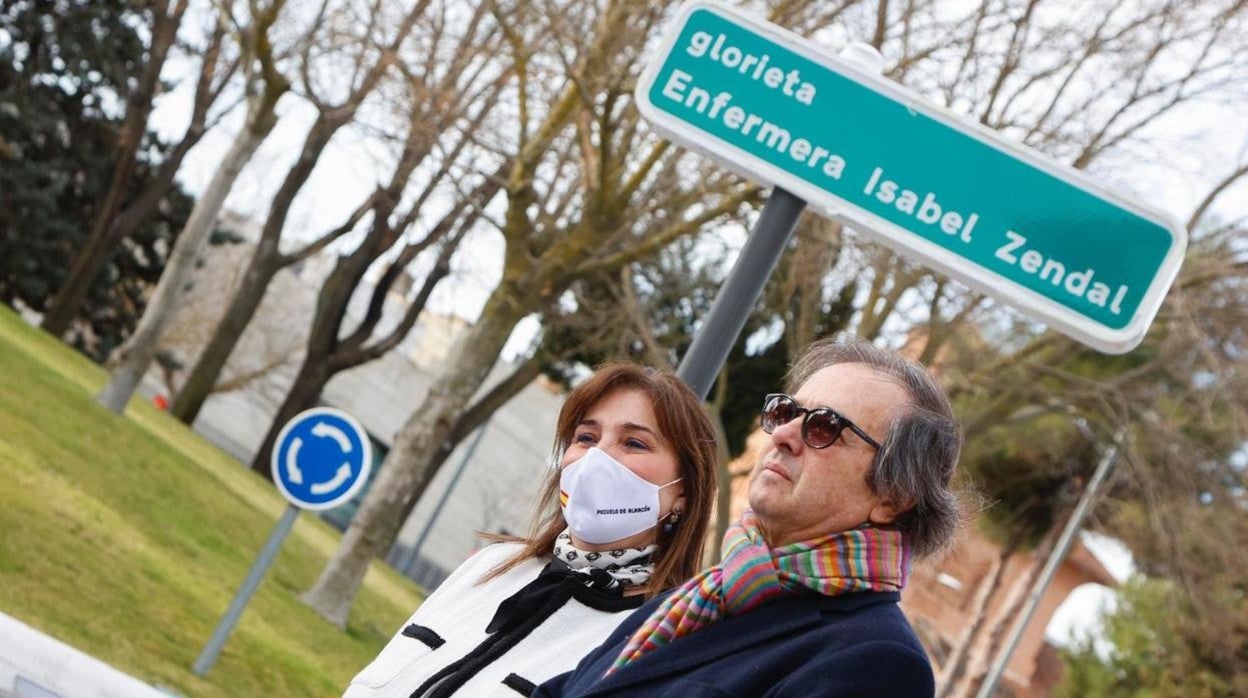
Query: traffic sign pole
741	289
1086	502
258	569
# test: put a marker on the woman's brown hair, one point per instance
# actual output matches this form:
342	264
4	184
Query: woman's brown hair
684	424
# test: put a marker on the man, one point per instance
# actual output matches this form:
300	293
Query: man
854	482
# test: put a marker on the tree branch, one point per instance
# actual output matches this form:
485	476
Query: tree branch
653	243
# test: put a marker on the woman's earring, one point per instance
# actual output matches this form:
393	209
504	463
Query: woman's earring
670	524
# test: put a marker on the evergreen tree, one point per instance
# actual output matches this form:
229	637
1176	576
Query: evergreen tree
64	68
1148	649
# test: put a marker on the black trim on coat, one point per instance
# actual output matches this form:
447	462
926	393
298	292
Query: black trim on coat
519	684
424	634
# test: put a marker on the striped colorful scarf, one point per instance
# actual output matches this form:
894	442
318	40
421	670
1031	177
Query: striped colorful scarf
752	574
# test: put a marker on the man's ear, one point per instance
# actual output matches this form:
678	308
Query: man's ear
886	512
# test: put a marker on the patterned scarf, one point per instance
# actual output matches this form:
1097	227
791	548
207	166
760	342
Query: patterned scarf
752	574
610	570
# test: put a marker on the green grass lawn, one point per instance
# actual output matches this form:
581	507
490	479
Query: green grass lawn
126	537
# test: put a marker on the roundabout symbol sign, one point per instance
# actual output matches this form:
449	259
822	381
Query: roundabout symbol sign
321	458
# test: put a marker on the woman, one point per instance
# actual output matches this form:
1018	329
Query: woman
623	518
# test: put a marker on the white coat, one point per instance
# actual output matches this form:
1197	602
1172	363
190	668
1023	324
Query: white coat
450	625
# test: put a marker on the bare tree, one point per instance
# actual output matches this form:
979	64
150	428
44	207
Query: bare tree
265	85
1181	398
992	61
1082	87
218	64
817	250
1088	87
365	57
439	99
271	346
586	192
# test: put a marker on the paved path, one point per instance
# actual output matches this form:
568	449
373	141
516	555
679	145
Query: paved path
35	665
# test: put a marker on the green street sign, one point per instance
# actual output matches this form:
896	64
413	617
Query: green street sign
1002	218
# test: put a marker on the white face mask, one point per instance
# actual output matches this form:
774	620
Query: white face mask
603	501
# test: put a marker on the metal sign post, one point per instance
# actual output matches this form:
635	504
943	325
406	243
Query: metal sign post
409	560
736	297
1086	502
1051	241
768	238
259	568
321	458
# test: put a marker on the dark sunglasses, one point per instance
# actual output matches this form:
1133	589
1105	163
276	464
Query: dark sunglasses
821	427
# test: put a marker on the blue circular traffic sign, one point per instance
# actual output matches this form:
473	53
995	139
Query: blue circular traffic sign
321	458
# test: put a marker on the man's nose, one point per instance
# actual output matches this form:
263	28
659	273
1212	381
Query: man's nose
788	436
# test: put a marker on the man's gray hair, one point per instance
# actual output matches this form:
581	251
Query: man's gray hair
920	449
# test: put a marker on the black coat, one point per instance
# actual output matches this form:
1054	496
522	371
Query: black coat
856	645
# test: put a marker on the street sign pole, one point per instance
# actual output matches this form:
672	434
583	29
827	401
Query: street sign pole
1086	502
768	238
410	559
741	289
268	553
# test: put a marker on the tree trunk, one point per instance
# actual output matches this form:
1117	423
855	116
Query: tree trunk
207	368
723	477
817	249
318	364
956	664
497	396
303	393
474	417
1008	614
267	261
138	211
130	218
407	469
136	354
104	235
723	491
264	265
